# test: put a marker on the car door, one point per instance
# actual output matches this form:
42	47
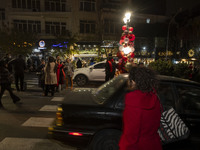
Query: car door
189	98
97	72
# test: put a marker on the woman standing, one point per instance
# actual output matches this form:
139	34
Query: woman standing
69	71
50	76
141	116
60	75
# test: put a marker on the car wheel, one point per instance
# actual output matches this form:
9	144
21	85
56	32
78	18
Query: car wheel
81	80
106	140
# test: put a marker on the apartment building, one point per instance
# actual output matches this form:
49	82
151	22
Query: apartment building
92	21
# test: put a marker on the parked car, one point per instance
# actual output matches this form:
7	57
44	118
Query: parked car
92	118
94	72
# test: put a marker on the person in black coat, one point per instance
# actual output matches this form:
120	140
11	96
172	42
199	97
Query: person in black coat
79	63
5	82
19	66
110	68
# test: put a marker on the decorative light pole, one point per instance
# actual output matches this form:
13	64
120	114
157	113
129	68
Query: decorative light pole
126	47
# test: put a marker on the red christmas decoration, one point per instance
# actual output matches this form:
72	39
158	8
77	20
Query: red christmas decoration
131	29
131	37
120	54
132	54
123	27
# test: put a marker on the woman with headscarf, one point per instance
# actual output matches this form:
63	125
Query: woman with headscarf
50	76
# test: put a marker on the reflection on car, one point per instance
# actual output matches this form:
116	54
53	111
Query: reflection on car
92	118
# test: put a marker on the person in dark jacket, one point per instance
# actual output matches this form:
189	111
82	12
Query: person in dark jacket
141	116
5	82
41	76
19	66
110	68
79	63
7	59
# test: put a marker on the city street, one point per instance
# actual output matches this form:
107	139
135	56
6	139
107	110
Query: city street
25	125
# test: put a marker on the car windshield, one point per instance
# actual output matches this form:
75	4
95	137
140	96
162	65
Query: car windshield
105	91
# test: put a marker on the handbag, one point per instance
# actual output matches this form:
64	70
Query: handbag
172	128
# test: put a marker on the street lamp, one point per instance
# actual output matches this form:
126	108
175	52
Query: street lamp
127	17
168	31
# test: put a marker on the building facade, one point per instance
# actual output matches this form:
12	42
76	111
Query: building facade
94	22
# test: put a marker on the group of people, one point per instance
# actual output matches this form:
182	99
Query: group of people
141	102
54	73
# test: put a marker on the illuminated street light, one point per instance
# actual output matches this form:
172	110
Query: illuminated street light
128	15
125	20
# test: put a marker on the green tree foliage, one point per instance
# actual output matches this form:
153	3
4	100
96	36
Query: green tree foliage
16	42
181	70
163	67
168	68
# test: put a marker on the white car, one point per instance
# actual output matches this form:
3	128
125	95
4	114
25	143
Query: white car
94	72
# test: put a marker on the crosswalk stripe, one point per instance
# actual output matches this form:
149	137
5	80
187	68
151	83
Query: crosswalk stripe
38	122
58	99
10	143
52	108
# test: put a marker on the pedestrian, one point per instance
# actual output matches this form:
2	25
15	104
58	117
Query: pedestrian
19	67
5	82
91	62
69	72
50	76
79	63
29	64
41	76
110	68
60	75
57	58
7	59
141	116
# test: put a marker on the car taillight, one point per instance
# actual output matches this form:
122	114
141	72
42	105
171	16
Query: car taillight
75	134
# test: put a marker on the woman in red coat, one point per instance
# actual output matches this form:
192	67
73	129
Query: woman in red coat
141	116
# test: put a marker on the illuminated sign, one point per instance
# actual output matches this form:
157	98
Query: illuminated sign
42	44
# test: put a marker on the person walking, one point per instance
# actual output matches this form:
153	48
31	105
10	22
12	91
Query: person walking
5	82
110	68
7	59
50	76
141	115
19	66
69	72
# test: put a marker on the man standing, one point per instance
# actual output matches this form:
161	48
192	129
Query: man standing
110	68
19	66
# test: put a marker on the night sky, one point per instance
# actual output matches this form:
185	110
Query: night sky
162	7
